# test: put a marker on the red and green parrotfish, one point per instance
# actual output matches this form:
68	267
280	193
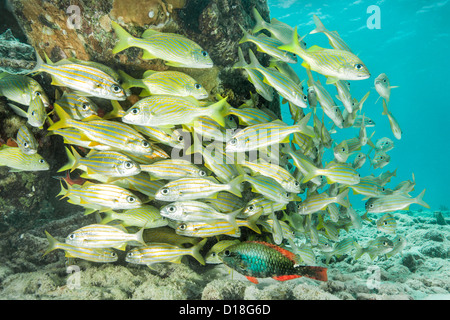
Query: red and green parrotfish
257	259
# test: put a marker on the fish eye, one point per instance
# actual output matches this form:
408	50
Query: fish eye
202	173
213	254
131	199
84	106
145	144
305	98
129	254
38	93
41	161
197	86
384	80
204	53
385	223
371	205
226	253
359	66
296	184
134	110
233	141
230	118
251	207
171	209
113	254
165	191
180	138
128	164
25	144
33	113
71	236
182	226
286	195
116	88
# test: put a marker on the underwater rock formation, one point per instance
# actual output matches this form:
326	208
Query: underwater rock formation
15	57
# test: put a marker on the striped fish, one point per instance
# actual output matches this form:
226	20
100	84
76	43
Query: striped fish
395	127
21	89
26	140
286	87
146	216
18	161
367	122
76	106
394	202
269	188
359	160
274	171
168	235
172	169
196	188
262	204
163	252
35	114
383	144
399	244
266	134
306	254
278	228
375	248
173	83
172	110
225	202
335	64
341	152
255	77
96	236
251	116
334	172
344	95
197	211
319	201
210	129
170	137
102	255
211	257
342	247
115	134
268	45
76	137
387	223
204	229
326	101
175	49
380	160
330	228
108	163
355	218
368	187
333	37
383	86
86	80
103	195
141	183
286	69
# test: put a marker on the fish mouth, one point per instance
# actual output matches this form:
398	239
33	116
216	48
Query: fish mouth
364	76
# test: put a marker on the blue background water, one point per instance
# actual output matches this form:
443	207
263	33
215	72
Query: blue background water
412	48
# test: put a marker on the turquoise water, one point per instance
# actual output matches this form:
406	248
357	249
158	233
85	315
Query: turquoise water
411	47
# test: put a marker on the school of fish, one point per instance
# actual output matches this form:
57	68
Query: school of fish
180	171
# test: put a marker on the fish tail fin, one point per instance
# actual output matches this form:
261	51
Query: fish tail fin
235	186
254	63
39	64
52	243
140	236
319	25
311	170
302	126
130	82
63	191
124	38
359	250
116	112
241	62
196	251
73	159
231	218
246	37
218	111
259	25
419	200
316	273
294	45
342	198
108	217
64	119
251	221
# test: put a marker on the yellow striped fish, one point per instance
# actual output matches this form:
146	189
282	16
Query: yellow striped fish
211	130
197	211
173	83
76	106
394	202
268	45
399	244
102	255
21	89
359	160
333	37
108	163
26	140
341	152
103	195
376	247
14	158
319	201
286	87
170	137
274	171
142	183
255	77
35	114
84	79
117	135
76	137
212	257
368	187
387	223
383	86
168	235
96	236
266	134
269	188
146	216
226	202
172	169
342	247
164	252
395	127
172	110
175	49
263	204
333	63
196	188
250	116
334	172
380	159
